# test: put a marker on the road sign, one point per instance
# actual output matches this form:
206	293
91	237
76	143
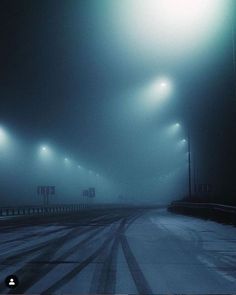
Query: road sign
85	193
90	193
45	191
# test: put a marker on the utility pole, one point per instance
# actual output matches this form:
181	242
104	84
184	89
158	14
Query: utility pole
194	175
233	48
189	169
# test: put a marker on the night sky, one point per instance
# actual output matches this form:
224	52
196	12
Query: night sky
69	75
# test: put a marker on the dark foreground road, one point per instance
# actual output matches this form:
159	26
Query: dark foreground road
119	251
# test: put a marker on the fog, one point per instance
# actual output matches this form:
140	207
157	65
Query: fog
115	95
26	165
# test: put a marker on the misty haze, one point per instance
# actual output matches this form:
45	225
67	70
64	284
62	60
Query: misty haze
117	147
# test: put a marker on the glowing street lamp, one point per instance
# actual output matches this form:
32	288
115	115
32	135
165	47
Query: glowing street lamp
173	129
171	25
163	84
68	163
158	91
7	144
3	136
160	87
45	153
182	144
45	150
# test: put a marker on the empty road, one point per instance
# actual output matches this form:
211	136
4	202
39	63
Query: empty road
118	251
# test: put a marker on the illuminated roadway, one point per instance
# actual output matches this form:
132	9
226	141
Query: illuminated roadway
119	251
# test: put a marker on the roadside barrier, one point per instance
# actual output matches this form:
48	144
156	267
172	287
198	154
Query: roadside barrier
42	210
65	209
217	212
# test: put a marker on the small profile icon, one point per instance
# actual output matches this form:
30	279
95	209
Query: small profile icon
12	281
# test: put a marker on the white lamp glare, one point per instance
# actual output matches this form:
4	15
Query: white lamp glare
3	136
168	25
163	84
159	89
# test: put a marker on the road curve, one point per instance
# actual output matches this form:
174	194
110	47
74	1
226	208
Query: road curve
118	251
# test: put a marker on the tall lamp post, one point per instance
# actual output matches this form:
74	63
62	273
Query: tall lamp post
189	169
233	49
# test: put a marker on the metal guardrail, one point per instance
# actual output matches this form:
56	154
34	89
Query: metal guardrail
215	206
218	212
42	210
64	208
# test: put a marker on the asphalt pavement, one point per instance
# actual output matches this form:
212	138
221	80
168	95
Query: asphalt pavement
118	251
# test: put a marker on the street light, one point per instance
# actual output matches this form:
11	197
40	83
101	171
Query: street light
44	150
8	146
45	153
160	88
163	84
173	129
178	26
182	143
157	92
68	163
3	136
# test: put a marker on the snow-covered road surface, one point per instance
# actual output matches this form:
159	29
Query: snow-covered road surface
119	251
